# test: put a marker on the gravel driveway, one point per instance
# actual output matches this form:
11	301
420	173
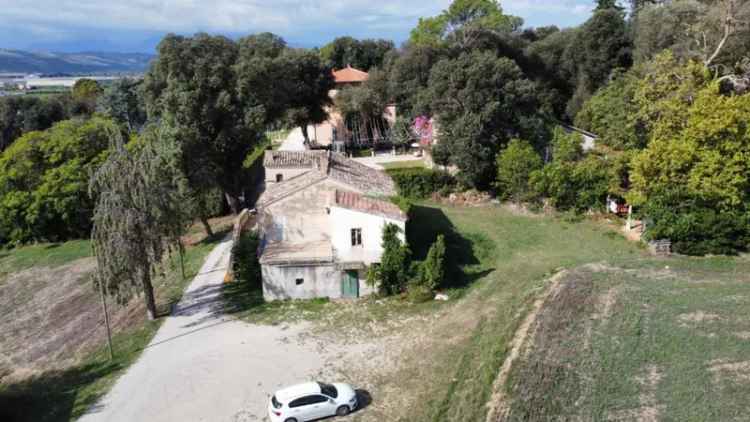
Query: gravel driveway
205	366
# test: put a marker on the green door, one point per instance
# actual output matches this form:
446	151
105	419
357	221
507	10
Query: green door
350	284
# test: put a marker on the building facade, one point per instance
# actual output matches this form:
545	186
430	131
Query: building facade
321	220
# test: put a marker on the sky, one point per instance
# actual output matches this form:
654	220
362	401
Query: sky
138	25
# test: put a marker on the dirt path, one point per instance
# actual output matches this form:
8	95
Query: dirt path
497	406
205	366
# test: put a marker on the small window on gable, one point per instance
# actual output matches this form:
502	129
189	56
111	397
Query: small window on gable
356	237
299	281
279	177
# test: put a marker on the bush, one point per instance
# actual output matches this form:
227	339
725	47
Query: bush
418	293
696	226
514	166
419	183
432	272
246	264
393	272
577	186
404	204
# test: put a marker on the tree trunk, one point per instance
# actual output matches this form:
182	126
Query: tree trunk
148	293
234	203
206	226
304	134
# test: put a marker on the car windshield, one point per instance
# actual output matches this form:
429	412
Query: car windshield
275	403
328	390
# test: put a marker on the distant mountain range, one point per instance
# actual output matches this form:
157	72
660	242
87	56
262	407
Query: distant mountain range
17	61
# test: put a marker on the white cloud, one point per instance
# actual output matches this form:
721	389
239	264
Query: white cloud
294	19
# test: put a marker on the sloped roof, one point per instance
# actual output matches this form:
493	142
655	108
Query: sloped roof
278	191
361	203
361	177
349	75
292	159
324	164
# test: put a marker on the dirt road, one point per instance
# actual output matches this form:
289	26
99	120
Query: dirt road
205	366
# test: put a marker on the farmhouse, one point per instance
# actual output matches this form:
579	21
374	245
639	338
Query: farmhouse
321	220
339	132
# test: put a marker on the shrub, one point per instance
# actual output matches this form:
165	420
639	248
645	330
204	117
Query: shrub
418	183
394	266
514	166
432	272
418	293
246	264
577	186
696	226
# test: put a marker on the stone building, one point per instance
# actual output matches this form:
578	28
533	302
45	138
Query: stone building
321	220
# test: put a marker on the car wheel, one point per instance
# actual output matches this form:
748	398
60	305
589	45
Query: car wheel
290	420
343	410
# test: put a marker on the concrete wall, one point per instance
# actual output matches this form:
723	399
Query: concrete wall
280	282
342	220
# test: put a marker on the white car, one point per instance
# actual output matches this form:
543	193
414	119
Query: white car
310	401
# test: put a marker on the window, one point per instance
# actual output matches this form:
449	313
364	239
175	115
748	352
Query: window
317	399
276	404
299	281
356	237
328	390
308	400
279	177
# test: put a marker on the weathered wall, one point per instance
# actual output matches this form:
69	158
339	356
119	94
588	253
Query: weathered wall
279	282
301	217
270	174
342	220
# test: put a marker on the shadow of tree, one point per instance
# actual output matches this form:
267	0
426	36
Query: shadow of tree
426	223
53	395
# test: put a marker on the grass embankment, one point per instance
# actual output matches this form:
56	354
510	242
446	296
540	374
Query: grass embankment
42	255
663	340
505	259
65	394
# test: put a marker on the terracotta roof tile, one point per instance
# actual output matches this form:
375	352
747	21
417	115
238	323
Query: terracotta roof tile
349	75
361	203
292	159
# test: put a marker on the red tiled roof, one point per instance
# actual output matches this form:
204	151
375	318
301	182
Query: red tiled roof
349	75
361	203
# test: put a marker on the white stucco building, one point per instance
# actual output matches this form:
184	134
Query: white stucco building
321	220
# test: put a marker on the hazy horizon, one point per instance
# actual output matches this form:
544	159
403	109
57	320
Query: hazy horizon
137	26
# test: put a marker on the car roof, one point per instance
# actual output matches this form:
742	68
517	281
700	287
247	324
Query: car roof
294	391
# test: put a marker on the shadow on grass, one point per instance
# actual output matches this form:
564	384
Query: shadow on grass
462	251
53	395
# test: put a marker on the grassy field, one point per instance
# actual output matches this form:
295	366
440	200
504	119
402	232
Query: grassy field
663	340
42	255
64	394
417	163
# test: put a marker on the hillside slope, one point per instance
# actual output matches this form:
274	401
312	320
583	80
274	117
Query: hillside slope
658	340
17	61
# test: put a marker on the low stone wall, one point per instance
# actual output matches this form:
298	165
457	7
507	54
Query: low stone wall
244	220
660	247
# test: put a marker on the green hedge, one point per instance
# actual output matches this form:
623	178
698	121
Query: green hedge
418	183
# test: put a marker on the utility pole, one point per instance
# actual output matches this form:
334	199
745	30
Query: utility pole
106	320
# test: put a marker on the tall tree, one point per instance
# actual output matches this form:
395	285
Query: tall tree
85	93
192	88
361	54
463	21
481	101
601	45
122	102
139	215
308	84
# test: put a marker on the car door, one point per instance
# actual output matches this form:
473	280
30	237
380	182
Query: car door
321	406
301	409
